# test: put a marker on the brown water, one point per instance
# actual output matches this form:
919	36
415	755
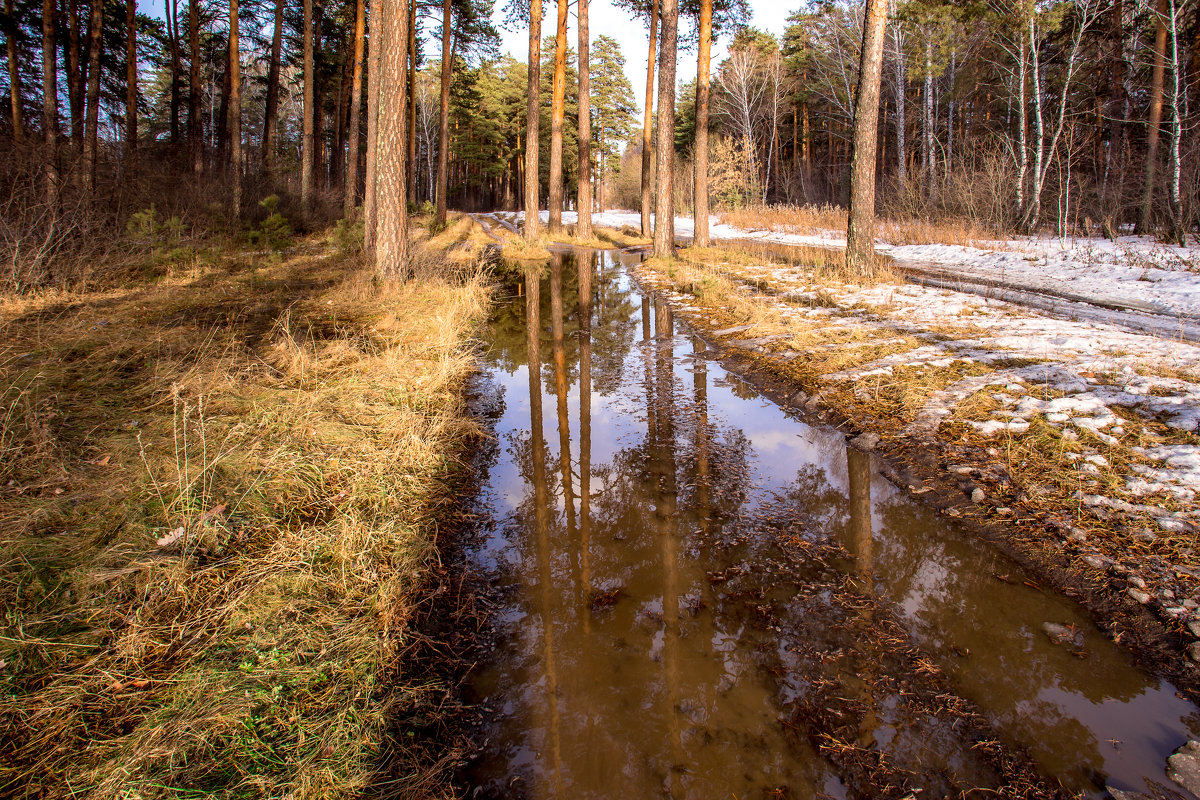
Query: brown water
690	579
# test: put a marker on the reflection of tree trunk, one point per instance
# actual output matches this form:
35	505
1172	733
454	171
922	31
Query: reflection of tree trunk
533	298
858	541
667	522
861	546
585	436
560	391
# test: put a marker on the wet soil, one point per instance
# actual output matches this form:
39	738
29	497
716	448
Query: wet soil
696	592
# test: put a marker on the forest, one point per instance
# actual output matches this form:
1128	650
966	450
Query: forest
1008	115
422	398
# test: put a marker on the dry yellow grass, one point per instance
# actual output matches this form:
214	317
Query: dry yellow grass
813	220
221	492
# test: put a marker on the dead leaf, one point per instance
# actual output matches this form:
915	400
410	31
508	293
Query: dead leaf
172	537
215	511
140	683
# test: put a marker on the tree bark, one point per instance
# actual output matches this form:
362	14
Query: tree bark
557	115
235	108
195	123
308	142
532	120
173	35
1177	229
648	122
92	112
76	74
50	100
391	243
412	101
1145	220
860	232
14	74
130	79
583	228
703	66
374	64
271	112
664	207
901	84
360	27
443	167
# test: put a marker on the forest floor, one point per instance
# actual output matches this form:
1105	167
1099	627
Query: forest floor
222	481
1074	443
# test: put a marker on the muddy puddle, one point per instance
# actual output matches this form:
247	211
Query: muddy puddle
699	595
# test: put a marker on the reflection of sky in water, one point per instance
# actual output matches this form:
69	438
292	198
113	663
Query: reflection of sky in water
1064	709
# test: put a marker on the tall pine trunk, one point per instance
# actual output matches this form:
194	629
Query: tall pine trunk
1177	88
1146	218
557	115
91	133
308	141
860	232
664	207
648	122
14	73
195	122
374	64
532	118
271	112
173	37
583	228
130	79
50	101
443	178
703	65
360	27
235	107
391	235
76	74
412	101
901	85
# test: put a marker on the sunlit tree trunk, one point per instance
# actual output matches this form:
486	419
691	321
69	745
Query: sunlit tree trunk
443	178
557	115
412	101
1145	219
370	207
648	122
664	207
1177	229
860	233
50	100
703	65
195	122
532	117
14	72
308	142
131	89
583	228
235	107
92	115
271	113
391	235
901	85
360	26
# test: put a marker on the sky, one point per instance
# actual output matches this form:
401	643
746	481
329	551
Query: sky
606	20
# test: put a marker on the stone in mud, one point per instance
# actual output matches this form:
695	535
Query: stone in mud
1193	651
1139	595
1137	582
977	495
799	398
1095	561
1063	634
1183	767
866	441
1194	628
